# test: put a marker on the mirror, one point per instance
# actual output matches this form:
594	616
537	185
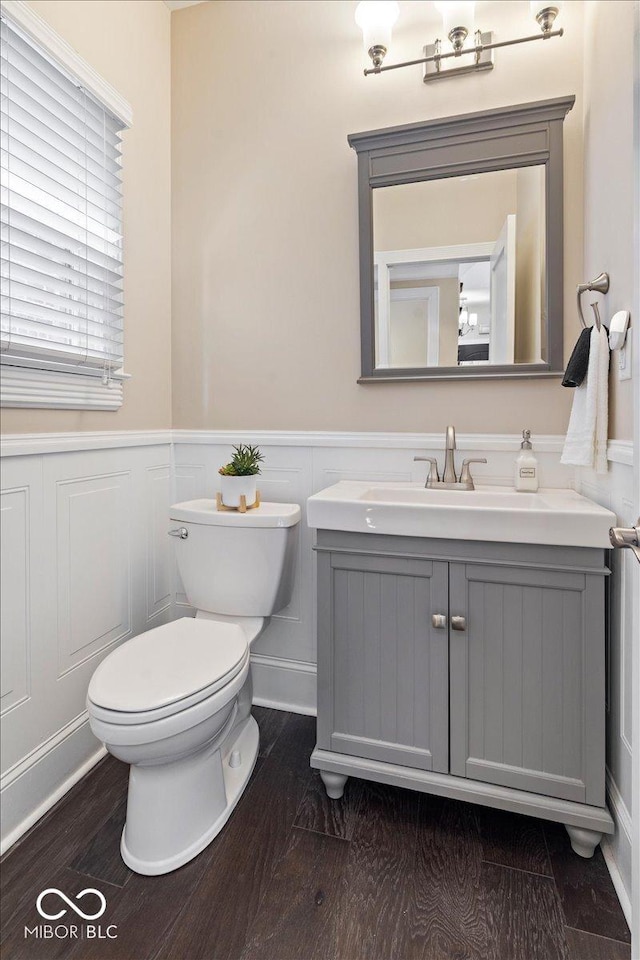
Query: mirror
459	270
461	242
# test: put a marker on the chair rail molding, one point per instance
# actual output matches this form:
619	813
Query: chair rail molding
365	439
29	444
34	444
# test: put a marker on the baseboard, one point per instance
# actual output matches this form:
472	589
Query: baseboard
607	846
34	785
617	848
284	684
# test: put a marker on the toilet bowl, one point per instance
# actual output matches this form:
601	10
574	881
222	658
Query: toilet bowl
175	702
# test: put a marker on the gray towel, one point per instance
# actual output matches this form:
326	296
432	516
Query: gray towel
578	361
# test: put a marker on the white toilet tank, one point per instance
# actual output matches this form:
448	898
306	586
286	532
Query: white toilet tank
237	564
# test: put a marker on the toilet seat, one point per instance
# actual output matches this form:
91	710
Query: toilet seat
167	670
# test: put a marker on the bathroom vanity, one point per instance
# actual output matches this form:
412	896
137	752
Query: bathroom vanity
456	662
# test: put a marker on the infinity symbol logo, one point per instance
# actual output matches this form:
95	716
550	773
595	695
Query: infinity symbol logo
76	909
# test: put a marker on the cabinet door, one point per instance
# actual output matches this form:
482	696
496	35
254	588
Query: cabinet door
527	680
382	665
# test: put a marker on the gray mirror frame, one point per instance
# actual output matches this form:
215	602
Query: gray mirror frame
515	136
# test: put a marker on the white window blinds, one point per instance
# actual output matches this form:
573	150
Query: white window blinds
61	221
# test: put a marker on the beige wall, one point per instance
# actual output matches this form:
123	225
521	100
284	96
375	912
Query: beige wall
265	247
441	213
128	43
529	263
407	333
265	243
609	173
448	308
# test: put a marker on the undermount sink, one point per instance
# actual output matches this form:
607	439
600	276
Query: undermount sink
554	517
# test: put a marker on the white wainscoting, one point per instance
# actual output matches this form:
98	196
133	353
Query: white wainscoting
84	525
615	491
86	565
299	464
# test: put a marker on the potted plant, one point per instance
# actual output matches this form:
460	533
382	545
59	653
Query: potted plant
238	477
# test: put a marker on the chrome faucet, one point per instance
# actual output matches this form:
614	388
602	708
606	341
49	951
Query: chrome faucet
449	480
449	463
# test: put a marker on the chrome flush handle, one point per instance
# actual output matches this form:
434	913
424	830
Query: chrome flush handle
181	532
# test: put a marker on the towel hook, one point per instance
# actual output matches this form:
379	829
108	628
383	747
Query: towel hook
600	285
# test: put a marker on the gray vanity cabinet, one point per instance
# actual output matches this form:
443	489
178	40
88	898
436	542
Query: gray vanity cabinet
467	669
388	664
527	683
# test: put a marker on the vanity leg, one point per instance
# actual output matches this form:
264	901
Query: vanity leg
583	841
334	783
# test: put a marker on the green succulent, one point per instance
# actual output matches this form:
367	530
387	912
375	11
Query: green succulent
245	462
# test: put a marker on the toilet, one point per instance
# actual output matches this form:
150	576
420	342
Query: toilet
175	702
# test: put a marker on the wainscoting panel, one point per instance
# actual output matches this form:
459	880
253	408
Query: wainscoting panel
615	491
23	622
92	566
189	483
160	584
14	530
86	565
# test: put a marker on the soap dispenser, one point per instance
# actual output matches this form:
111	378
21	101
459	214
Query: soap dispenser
526	465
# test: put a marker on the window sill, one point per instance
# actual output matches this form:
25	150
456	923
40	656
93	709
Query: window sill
32	387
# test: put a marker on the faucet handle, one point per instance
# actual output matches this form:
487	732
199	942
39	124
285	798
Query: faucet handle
433	477
465	475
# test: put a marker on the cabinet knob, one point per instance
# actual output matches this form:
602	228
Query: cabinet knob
439	621
458	623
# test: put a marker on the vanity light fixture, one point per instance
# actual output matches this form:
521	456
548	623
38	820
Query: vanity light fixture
377	17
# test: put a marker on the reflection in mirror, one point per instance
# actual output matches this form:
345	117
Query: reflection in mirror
459	271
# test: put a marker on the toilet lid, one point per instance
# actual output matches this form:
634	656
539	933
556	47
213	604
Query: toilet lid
168	664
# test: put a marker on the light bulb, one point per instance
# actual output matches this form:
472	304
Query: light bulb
545	13
376	19
458	19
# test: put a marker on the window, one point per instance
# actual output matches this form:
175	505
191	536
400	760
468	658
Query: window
61	341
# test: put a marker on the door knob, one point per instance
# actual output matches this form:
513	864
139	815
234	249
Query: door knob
458	623
626	537
439	621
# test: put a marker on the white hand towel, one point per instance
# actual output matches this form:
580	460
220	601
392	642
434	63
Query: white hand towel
586	441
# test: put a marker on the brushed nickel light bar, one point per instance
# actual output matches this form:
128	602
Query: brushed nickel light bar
377	17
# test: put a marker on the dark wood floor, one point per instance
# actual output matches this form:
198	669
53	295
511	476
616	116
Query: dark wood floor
384	874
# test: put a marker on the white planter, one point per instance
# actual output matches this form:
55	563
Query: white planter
232	488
